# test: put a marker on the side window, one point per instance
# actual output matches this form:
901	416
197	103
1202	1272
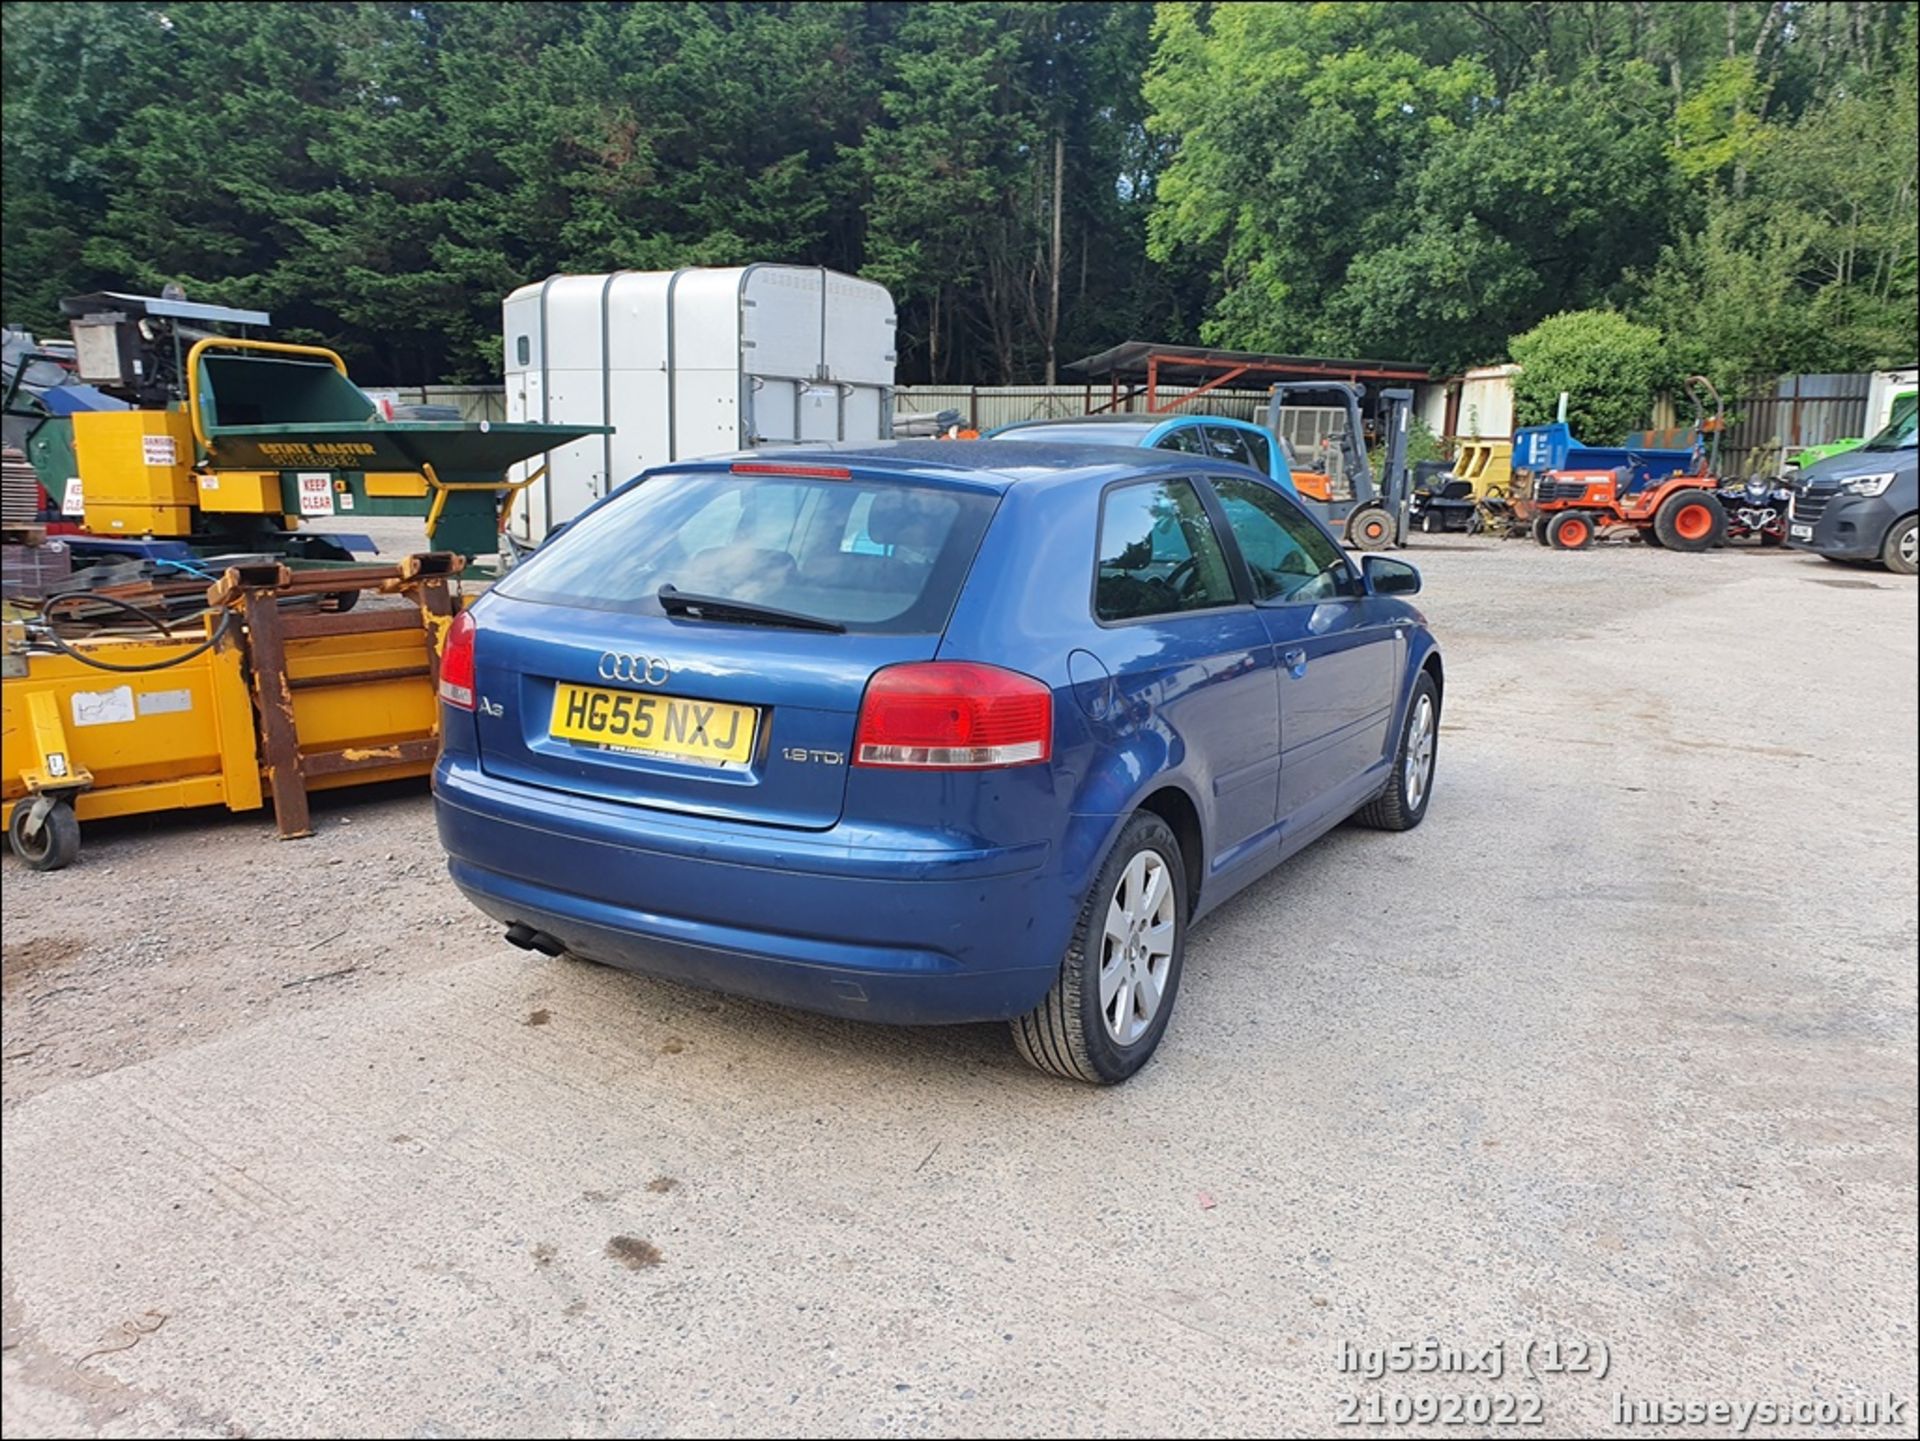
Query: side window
1187	440
1255	449
1158	553
1289	556
1226	443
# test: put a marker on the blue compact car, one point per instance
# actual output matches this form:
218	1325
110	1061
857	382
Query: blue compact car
927	732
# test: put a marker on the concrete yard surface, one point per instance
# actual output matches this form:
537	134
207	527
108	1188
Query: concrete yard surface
1617	1051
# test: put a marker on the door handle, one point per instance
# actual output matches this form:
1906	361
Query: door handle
1295	661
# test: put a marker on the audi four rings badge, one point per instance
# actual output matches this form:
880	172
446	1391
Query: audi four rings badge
634	669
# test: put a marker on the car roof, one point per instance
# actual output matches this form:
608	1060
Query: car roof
995	463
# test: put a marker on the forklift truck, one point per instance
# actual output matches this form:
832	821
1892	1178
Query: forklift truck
1336	481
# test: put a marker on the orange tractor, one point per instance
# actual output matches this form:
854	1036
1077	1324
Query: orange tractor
1573	508
1664	494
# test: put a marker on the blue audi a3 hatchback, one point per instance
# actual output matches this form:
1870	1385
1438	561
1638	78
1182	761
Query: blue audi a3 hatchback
927	732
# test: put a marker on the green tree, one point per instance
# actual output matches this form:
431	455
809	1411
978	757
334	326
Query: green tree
1425	181
998	128
1608	367
1540	206
939	171
1813	267
1034	180
1294	129
58	65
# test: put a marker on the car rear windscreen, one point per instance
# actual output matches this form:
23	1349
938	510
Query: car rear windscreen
869	554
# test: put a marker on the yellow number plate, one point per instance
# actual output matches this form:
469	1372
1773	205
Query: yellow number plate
698	730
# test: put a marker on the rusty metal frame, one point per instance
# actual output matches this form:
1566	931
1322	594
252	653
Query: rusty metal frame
1114	399
1233	370
255	592
1215	383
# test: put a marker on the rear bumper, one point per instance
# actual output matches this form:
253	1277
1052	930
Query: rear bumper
850	924
1851	527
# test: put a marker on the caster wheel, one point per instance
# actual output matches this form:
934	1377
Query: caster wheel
48	844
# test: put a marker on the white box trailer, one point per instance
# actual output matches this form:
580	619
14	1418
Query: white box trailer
686	363
1886	387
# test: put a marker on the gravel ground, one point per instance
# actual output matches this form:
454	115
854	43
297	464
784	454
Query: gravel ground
178	926
1618	1048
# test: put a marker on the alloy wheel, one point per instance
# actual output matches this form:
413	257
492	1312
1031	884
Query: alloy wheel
1136	953
1419	763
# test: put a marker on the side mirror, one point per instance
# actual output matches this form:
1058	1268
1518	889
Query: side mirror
1386	576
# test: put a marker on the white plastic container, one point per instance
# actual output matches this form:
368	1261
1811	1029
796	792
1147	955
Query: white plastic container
687	363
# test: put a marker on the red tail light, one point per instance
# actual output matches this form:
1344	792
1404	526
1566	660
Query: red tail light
456	663
953	715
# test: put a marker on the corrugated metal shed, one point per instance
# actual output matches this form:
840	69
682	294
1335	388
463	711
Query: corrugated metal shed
1801	410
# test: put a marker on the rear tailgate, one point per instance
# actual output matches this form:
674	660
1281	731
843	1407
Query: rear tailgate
744	722
588	682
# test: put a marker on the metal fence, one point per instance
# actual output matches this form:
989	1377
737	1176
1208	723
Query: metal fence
982	407
475	402
1799	411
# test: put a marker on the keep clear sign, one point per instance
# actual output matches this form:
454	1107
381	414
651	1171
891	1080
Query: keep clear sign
316	492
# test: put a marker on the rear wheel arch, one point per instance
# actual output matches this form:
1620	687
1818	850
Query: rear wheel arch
1174	806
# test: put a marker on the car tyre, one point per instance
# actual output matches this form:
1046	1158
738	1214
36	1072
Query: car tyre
1402	804
1898	551
1090	1027
1540	530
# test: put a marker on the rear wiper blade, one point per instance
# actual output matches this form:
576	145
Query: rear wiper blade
712	607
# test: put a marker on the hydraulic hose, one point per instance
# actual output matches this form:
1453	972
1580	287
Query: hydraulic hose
60	643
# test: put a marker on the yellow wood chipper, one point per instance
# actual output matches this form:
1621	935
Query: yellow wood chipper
193	646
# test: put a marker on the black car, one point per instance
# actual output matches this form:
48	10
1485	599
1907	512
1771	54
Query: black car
1861	504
